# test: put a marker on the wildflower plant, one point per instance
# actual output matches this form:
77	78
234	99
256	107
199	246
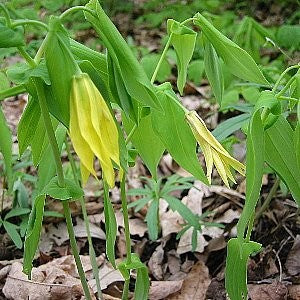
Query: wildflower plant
71	92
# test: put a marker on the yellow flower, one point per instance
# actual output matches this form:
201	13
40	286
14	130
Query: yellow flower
213	151
93	130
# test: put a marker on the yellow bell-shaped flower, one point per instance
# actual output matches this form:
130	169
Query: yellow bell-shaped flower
93	130
213	151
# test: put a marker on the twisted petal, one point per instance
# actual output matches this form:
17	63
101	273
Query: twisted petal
213	151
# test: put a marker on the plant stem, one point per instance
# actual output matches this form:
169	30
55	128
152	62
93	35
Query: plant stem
283	74
29	22
131	133
86	222
61	181
126	220
75	250
13	91
161	58
291	80
268	198
127	234
40	52
250	227
74	9
125	290
27	57
6	14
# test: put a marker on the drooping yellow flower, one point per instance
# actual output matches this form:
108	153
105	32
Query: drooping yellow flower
213	151
92	129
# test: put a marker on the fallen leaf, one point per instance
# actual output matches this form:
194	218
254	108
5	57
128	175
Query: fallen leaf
294	292
293	259
155	263
162	289
194	285
274	291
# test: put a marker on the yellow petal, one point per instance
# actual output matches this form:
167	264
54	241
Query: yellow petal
81	95
220	167
82	149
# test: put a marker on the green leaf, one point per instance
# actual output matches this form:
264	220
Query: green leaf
297	142
236	267
47	169
228	127
281	156
67	192
135	79
20	73
195	71
21	194
143	139
10	37
183	39
254	170
152	219
4	82
6	148
28	124
110	227
12	231
16	212
142	284
289	36
61	68
175	134
149	63
33	233
213	71
239	62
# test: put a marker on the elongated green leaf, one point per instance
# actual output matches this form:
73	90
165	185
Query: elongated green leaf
10	37
297	142
236	267
6	148
142	284
238	61
15	212
46	168
61	67
281	156
254	170
152	220
28	124
213	71
175	134
196	70
135	79
183	40
228	127
33	233
110	227
146	141
12	231
67	192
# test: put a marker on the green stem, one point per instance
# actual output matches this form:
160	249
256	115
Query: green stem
29	22
86	222
288	98
131	133
41	50
126	220
75	250
264	114
282	75
27	57
13	91
161	58
125	290
268	198
74	9
250	227
291	80
6	14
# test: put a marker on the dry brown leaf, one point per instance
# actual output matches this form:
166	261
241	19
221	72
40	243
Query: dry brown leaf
155	263
293	259
162	289
194	285
50	282
274	291
228	216
294	292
